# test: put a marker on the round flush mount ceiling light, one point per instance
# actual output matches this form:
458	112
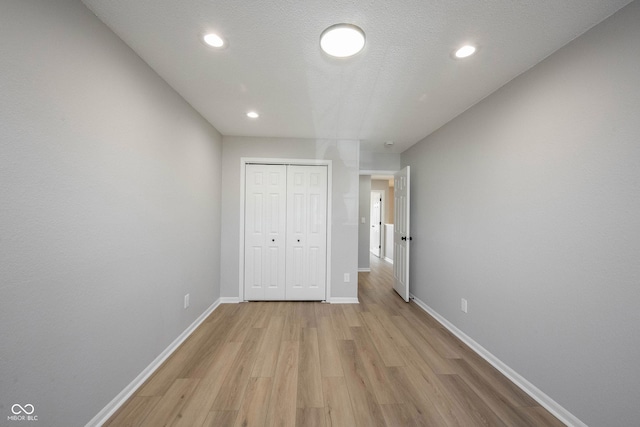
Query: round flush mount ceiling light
342	40
213	40
465	51
253	115
389	143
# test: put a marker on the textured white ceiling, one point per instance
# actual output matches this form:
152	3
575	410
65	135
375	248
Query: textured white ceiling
402	87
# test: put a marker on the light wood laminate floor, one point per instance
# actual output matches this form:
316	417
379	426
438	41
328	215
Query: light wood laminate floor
382	362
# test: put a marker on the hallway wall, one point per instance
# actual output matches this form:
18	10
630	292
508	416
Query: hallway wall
364	228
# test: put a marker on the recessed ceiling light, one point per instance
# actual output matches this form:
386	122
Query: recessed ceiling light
213	40
465	51
342	40
388	143
253	115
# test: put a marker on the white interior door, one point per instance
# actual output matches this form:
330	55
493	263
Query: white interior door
306	233
401	235
265	228
375	241
285	232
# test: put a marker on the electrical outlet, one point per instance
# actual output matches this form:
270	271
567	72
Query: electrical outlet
186	301
463	305
346	278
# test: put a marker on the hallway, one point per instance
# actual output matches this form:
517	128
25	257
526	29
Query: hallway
382	362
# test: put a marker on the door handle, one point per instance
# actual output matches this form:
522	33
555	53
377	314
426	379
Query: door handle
273	240
403	238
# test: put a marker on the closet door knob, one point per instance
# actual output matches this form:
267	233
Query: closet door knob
273	240
298	240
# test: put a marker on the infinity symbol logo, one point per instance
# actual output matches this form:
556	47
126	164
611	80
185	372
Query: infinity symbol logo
27	409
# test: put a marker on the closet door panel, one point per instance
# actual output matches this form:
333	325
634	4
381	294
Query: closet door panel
306	232
265	228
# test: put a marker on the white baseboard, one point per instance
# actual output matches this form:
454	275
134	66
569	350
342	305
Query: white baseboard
538	395
364	270
344	300
122	397
229	300
389	260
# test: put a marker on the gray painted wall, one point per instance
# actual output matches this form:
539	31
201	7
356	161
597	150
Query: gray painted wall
364	229
110	212
528	205
344	233
379	161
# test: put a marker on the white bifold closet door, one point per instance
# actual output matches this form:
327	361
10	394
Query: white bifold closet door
285	232
264	232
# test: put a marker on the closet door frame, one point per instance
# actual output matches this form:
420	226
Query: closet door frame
296	162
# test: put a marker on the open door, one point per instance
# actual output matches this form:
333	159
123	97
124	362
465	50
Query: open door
401	235
375	241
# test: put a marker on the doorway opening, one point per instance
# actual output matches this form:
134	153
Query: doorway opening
381	217
384	235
